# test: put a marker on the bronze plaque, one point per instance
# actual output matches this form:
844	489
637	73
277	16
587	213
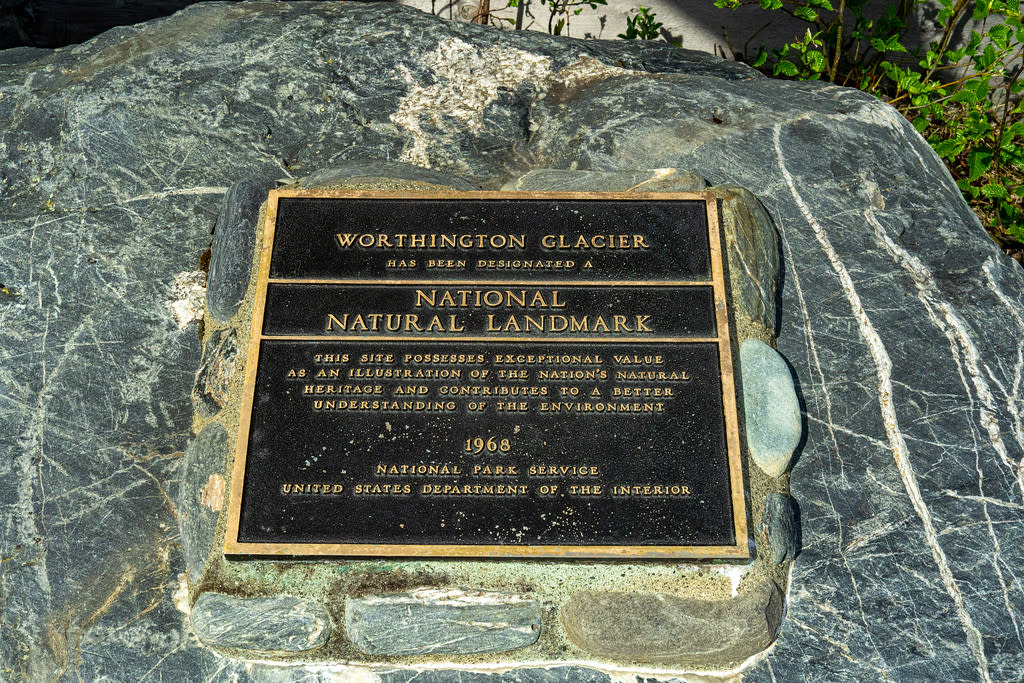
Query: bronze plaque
489	374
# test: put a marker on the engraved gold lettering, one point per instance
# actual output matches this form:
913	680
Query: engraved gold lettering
410	390
524	264
642	391
594	242
330	358
600	407
394	470
328	488
383	240
378	489
546	359
651	375
392	322
598	324
384	406
495	470
488	298
474	489
563	471
637	359
650	490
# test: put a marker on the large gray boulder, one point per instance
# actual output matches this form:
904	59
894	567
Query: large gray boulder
902	322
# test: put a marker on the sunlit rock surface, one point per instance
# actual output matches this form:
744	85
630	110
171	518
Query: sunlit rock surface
902	322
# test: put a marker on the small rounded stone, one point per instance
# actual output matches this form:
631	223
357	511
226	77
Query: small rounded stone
233	240
442	621
283	623
199	500
656	627
770	407
216	373
781	526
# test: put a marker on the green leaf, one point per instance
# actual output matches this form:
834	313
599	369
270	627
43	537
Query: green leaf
978	162
947	149
786	68
815	61
986	58
920	123
760	59
1000	35
993	191
966	187
965	95
953	56
981	88
805	13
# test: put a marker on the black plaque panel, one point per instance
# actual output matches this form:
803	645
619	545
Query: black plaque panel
489	375
306	227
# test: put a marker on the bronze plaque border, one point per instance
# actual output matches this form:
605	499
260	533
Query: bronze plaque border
740	551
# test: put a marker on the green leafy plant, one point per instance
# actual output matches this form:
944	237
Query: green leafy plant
642	25
560	12
965	100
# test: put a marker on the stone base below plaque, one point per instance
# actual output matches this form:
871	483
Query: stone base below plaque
670	616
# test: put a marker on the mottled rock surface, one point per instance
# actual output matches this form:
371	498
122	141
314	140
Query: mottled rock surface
216	372
771	411
431	621
753	256
234	237
902	322
202	496
651	627
780	522
283	623
399	175
654	180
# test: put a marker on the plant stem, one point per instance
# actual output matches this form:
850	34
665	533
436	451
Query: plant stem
947	33
839	42
482	13
997	155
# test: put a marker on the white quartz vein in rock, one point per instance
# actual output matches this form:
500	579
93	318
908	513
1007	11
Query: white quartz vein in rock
466	80
1017	313
953	325
178	192
188	293
830	425
897	444
962	346
451	596
983	499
